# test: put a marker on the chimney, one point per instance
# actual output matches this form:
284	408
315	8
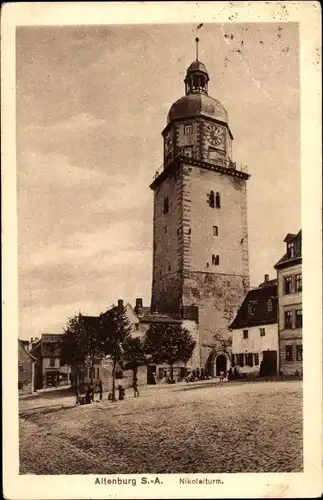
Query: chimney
266	278
120	303
138	307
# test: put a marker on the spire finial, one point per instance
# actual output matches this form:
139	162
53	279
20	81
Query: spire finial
197	47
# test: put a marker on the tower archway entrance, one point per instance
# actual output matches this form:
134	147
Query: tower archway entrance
220	365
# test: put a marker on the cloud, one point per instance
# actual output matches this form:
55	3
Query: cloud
76	124
38	169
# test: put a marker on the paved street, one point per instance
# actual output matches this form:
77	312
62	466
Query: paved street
203	427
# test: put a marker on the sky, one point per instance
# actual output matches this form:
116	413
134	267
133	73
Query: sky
91	104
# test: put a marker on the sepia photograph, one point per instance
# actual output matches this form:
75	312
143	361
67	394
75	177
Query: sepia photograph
159	250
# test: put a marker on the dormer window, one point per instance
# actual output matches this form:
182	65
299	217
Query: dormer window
291	250
251	309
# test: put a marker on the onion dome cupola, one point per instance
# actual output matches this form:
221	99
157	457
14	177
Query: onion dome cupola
197	124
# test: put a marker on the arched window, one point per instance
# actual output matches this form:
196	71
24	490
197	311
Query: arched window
212	199
215	260
217	200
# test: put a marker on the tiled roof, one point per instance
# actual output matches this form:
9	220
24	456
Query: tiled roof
159	318
260	315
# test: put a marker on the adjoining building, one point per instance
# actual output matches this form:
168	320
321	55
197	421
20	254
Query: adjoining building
200	234
255	332
290	313
26	369
49	370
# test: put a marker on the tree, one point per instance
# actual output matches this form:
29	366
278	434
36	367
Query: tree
168	343
81	345
114	333
133	355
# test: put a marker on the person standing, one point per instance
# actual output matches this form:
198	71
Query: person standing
135	389
100	389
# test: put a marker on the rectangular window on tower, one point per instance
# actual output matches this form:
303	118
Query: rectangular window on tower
215	231
188	129
166	205
188	151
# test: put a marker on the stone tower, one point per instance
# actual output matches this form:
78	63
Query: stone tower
200	236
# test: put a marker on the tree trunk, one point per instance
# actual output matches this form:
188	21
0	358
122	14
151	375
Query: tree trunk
135	371
171	371
77	386
91	372
114	381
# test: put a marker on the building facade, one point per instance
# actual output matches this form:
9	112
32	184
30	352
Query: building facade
255	332
200	235
290	314
49	371
26	369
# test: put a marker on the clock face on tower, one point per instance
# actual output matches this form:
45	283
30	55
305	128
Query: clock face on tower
168	142
215	135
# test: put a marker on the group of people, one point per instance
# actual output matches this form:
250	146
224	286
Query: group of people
198	374
90	390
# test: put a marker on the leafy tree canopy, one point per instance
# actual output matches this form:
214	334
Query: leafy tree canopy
168	343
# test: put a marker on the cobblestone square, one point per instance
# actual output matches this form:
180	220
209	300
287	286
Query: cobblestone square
192	428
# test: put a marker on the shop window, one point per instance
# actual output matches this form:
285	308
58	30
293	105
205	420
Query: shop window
289	353
299	352
262	332
287	285
256	359
249	359
298	283
245	334
241	360
288	319
299	318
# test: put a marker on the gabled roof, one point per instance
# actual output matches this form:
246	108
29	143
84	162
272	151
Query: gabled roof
258	300
159	318
21	342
